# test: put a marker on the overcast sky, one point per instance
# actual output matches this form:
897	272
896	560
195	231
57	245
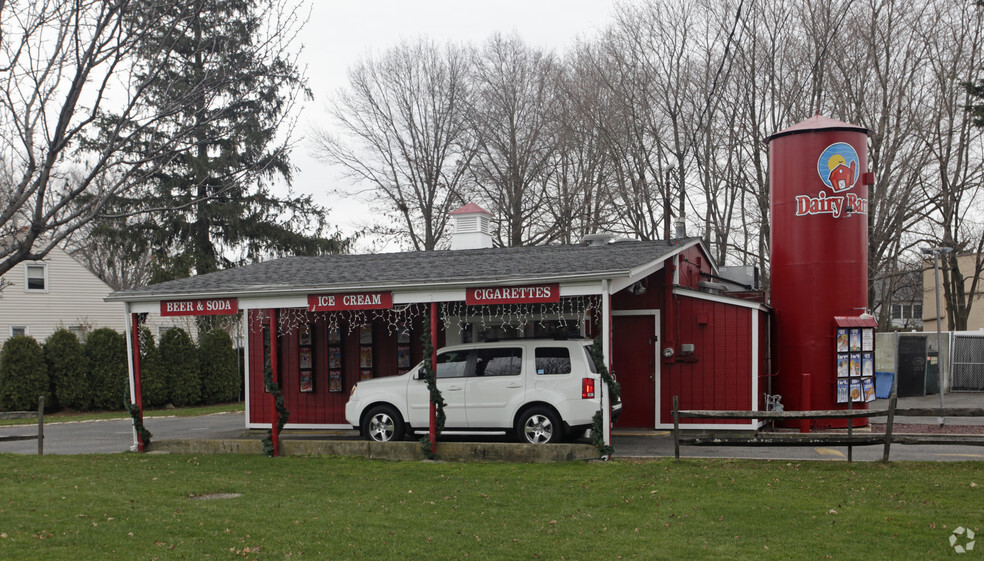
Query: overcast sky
342	31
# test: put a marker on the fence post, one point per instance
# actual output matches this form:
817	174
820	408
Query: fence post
850	425
41	426
805	401
676	428
892	402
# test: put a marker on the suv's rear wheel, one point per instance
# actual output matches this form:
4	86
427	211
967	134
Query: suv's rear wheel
383	424
539	425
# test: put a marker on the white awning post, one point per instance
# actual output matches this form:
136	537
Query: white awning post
129	366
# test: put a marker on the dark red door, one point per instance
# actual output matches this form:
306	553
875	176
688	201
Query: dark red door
634	347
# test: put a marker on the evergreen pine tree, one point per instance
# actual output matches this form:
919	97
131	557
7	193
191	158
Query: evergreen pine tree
216	204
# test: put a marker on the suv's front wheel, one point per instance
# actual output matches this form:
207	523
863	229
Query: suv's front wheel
383	424
539	425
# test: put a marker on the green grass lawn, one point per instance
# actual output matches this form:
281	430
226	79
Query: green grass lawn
132	506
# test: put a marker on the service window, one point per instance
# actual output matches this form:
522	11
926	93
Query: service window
553	360
452	364
499	362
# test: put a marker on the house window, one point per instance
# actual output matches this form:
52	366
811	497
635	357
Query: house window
37	278
16	330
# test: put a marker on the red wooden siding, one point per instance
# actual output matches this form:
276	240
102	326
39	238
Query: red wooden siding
718	375
763	356
321	407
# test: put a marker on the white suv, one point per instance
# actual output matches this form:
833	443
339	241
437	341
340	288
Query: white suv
541	389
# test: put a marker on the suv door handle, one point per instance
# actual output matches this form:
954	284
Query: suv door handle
453	388
514	385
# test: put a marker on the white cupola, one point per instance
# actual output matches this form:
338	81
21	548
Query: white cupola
472	227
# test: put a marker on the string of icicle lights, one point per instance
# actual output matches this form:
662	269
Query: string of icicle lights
453	315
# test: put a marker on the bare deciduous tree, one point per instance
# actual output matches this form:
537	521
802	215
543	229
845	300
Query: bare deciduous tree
954	147
406	136
61	65
513	112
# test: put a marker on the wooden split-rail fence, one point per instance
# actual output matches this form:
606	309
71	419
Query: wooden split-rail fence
39	436
848	438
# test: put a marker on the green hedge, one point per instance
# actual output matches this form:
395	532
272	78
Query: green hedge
23	374
68	369
179	358
94	374
153	379
109	376
217	361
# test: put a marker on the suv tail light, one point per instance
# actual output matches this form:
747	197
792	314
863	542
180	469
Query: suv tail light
587	388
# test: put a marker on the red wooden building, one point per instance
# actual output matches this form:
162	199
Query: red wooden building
340	318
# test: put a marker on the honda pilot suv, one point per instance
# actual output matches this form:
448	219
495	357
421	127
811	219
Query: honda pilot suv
541	390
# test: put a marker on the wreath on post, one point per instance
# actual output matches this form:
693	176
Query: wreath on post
278	399
435	395
614	394
134	411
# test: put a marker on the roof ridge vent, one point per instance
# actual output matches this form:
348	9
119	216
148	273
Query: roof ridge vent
600	239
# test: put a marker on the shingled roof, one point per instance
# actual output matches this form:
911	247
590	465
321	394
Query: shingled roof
387	271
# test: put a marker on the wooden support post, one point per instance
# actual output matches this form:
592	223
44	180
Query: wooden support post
137	391
805	401
889	423
275	420
850	425
676	428
432	433
41	426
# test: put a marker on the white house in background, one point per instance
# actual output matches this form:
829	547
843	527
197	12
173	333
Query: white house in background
39	297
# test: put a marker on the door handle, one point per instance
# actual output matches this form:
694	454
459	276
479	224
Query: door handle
453	388
514	386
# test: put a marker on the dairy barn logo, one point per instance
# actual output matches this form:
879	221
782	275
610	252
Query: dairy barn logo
839	168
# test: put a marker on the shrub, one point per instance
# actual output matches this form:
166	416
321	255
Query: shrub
153	382
180	361
220	374
23	374
108	374
68	370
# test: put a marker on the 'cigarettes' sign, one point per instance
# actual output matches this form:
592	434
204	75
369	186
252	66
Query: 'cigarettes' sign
540	294
210	307
360	301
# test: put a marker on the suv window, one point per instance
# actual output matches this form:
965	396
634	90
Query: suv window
553	360
499	362
591	362
452	364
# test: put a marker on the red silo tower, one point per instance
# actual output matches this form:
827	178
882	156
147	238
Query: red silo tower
818	175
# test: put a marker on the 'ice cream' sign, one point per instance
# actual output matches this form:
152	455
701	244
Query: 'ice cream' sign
357	301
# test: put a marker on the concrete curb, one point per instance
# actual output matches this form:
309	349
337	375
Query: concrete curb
395	451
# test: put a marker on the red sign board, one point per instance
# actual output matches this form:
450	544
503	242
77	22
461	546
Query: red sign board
539	294
356	301
205	307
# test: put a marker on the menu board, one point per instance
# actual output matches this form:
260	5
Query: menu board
854	349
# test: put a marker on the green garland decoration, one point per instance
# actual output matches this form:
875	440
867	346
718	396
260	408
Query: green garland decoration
278	396
134	411
435	395
614	395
